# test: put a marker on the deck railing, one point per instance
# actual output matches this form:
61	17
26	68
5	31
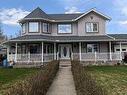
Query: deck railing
98	56
31	57
75	56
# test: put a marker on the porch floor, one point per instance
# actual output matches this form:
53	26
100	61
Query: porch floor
63	83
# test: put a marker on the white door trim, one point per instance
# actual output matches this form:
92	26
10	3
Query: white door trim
68	48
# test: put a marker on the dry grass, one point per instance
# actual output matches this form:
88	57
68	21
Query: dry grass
84	82
113	79
36	84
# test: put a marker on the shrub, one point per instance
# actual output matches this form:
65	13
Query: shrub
85	84
37	84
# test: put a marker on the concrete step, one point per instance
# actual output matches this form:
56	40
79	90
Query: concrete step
65	63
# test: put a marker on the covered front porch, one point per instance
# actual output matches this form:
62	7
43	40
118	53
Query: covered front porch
40	52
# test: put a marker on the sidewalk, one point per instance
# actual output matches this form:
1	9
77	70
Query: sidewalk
63	84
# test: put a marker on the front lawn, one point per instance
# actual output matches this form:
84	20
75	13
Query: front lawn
28	81
8	76
113	79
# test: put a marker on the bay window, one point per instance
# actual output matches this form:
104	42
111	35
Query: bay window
46	27
91	27
33	27
23	28
64	28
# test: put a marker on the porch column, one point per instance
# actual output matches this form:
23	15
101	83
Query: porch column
54	51
80	52
8	52
42	56
120	51
110	50
15	52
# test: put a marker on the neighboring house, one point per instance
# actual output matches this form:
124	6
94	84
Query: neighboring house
81	36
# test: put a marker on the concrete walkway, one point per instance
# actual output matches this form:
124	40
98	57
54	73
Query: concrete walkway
63	84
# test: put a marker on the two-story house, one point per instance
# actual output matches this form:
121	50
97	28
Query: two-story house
81	36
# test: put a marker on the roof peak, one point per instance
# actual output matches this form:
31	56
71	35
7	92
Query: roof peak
37	13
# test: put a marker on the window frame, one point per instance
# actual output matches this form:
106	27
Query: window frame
64	24
48	28
92	27
93	48
37	27
24	28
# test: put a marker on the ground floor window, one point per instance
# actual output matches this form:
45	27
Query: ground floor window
92	48
34	48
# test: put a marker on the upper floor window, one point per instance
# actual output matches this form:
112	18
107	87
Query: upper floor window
45	27
64	28
33	27
23	28
91	27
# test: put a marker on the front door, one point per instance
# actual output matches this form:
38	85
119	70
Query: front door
65	51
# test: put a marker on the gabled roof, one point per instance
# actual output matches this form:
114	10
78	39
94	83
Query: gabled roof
97	12
38	14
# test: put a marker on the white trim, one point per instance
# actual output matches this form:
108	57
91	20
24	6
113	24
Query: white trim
47	24
110	50
8	52
67	45
42	53
16	52
55	51
90	25
120	50
33	23
107	17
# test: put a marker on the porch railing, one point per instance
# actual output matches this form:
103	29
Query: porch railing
98	56
75	56
31	57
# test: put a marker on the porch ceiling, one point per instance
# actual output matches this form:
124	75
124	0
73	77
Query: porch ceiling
62	38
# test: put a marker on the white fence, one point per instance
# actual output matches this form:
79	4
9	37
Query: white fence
31	57
98	56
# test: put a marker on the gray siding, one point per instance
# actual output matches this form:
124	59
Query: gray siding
104	47
87	18
78	28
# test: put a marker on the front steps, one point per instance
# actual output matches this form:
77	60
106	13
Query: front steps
65	63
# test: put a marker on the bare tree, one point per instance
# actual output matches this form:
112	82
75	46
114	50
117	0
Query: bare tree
2	36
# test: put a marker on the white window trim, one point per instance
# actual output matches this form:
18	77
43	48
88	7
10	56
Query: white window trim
92	27
47	28
24	28
66	32
37	27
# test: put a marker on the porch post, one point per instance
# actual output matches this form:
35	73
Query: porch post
8	52
16	52
80	52
54	51
110	50
120	51
42	56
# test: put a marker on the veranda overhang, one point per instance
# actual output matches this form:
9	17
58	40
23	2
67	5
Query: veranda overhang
45	38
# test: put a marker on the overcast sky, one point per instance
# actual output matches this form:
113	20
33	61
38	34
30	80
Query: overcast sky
13	10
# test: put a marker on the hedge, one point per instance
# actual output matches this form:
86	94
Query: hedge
37	84
85	84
